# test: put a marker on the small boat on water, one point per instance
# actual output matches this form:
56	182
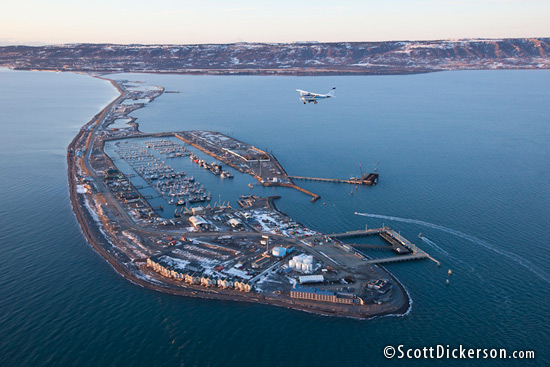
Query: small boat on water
180	202
226	174
250	185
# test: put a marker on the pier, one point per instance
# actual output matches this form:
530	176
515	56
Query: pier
358	233
405	249
394	259
370	179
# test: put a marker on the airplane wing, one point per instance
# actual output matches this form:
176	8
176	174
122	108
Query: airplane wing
302	92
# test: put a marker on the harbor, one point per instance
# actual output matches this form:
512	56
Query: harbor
127	183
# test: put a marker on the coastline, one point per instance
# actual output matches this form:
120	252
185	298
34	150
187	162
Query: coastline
100	242
245	72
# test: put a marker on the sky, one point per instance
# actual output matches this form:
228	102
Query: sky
36	22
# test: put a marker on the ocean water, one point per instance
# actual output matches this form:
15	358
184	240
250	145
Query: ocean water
462	157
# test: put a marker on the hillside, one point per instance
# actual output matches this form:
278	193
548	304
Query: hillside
288	58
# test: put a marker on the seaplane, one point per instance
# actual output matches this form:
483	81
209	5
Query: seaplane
308	97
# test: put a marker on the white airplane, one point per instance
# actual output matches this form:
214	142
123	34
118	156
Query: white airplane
308	97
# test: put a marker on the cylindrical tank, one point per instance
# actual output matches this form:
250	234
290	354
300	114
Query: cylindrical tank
291	264
304	267
298	265
309	268
279	251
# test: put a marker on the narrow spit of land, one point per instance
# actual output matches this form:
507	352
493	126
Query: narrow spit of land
252	254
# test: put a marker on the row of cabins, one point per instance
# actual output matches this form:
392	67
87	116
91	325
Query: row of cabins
199	279
315	294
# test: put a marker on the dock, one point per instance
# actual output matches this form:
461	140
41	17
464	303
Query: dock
405	249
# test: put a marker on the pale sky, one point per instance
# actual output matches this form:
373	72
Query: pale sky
35	22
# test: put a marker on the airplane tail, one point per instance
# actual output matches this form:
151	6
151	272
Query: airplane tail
331	92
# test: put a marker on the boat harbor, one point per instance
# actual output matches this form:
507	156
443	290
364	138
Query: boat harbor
176	187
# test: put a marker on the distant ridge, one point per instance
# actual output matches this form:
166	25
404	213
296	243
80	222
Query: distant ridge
308	58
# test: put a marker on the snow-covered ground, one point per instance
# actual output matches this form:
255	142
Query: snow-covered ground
174	262
237	272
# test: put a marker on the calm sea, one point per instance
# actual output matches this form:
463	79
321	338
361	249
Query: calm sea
462	156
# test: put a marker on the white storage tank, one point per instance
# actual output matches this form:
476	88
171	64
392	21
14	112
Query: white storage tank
304	267
298	265
279	251
292	264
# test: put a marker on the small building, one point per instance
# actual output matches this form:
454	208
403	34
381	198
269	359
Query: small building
196	279
262	261
188	278
131	197
225	283
243	286
379	285
206	281
235	223
198	210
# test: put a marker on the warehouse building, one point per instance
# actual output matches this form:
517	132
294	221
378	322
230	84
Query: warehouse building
198	222
315	294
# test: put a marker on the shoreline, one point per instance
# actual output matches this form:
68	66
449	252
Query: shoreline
100	243
249	72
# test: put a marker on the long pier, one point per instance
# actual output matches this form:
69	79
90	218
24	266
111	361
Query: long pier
369	180
394	259
358	233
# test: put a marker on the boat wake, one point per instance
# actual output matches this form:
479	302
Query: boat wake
517	259
434	245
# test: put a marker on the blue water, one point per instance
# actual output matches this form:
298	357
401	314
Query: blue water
463	158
